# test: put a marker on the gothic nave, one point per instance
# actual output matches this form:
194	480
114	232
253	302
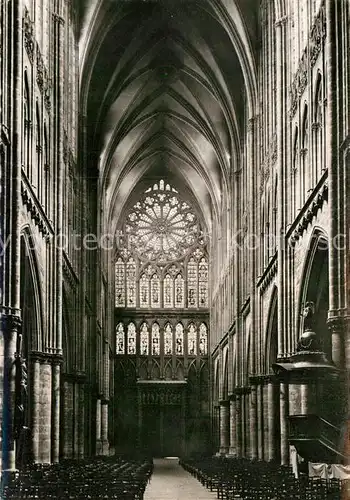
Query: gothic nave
174	230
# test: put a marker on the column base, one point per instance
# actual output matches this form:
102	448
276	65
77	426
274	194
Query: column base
223	451
98	447
232	452
105	448
8	476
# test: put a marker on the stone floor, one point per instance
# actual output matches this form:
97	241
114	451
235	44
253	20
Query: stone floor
169	481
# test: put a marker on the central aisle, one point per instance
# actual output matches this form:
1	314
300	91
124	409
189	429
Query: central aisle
170	481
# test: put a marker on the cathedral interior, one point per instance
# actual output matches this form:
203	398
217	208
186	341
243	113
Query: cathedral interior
174	230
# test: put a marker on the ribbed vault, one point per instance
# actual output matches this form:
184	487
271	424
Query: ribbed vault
166	87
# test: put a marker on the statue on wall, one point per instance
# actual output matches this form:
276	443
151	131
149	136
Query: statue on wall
308	339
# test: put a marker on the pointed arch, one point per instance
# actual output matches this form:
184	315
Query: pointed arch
315	288
31	295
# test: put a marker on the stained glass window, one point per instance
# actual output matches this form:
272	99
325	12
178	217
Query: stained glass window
144	340
131	282
203	283
179	291
160	226
120	339
155	291
131	338
192	340
168	339
144	291
192	282
120	283
168	291
155	340
179	339
203	339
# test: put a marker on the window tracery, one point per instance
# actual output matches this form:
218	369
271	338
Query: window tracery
131	282
144	291
155	291
168	291
120	283
160	226
179	291
192	282
175	274
203	277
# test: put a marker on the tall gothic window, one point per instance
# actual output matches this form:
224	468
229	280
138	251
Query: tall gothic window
192	282
144	291
179	291
144	340
203	339
192	340
131	282
131	338
203	283
155	291
120	339
120	283
168	339
168	291
179	339
155	340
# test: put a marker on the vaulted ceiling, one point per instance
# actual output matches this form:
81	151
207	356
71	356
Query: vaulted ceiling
166	86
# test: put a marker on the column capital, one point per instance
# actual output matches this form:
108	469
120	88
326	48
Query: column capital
11	321
46	357
338	323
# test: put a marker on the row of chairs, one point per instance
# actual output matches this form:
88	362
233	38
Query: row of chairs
243	479
117	478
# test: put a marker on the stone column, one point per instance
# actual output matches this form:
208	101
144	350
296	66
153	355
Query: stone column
224	427
253	423
81	420
104	427
11	325
98	428
56	369
265	418
271	419
45	411
340	350
260	427
238	426
233	436
284	423
35	393
67	419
